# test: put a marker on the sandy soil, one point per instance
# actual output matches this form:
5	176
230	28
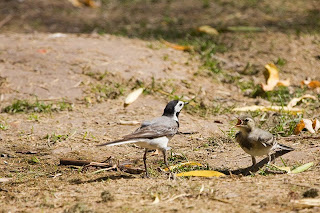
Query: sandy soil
53	67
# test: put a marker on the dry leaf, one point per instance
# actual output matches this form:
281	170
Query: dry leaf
304	124
307	202
316	125
283	168
302	168
308	125
176	46
208	30
191	163
42	51
133	96
273	78
156	200
82	3
121	122
3	180
268	108
201	173
294	101
311	84
300	126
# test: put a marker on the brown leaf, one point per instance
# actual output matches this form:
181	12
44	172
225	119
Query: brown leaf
311	84
304	124
176	46
300	126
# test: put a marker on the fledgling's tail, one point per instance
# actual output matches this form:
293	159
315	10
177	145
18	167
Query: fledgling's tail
118	142
283	147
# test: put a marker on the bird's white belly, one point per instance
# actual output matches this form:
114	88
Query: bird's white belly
155	143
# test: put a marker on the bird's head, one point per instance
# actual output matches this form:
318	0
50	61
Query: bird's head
173	109
245	123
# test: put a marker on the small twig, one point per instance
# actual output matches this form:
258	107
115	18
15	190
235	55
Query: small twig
178	196
105	169
300	138
6	20
221	200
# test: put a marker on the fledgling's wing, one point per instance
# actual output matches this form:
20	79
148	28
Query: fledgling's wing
263	137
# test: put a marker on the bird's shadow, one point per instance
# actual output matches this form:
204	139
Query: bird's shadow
105	178
252	169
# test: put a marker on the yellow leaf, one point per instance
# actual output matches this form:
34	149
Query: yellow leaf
201	173
307	202
156	200
176	46
273	78
121	122
191	163
302	168
268	108
295	101
209	30
282	168
133	96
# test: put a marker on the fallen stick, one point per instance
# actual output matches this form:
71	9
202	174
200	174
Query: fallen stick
124	168
67	161
6	20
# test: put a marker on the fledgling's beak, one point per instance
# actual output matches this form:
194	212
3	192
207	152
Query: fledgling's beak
239	123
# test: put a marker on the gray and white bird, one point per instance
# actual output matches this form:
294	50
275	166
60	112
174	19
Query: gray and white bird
155	134
255	141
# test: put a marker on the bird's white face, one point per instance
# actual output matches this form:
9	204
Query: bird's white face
179	106
177	109
245	123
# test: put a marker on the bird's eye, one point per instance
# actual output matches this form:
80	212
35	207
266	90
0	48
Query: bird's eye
180	104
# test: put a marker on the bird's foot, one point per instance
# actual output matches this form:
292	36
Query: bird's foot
146	176
168	148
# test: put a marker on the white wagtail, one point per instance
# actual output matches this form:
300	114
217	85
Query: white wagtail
155	134
255	141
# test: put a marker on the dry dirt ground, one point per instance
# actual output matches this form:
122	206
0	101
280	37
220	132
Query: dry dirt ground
82	69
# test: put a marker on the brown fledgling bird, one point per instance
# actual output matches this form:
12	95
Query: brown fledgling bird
255	141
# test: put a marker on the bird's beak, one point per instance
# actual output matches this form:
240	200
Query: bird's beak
186	103
239	122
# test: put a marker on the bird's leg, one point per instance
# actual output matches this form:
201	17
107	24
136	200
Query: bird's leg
253	161
270	159
145	162
166	161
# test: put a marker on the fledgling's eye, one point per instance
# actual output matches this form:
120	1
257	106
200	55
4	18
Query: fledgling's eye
246	120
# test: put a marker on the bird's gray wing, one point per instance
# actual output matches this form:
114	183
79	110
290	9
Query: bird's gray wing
148	123
162	127
264	137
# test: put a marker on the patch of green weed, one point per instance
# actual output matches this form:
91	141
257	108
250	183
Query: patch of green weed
53	138
24	106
